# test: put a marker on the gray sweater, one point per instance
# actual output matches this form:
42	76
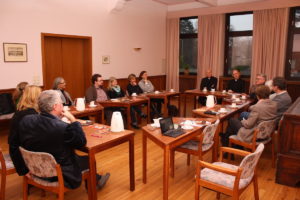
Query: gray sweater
146	87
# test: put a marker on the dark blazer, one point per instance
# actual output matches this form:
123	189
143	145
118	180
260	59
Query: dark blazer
112	94
91	94
134	89
209	83
14	140
236	85
47	133
283	101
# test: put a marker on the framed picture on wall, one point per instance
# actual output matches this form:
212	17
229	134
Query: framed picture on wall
15	52
105	59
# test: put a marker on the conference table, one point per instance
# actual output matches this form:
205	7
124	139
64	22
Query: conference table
197	92
99	138
167	144
165	96
95	112
127	102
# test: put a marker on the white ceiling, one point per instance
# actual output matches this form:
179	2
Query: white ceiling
203	2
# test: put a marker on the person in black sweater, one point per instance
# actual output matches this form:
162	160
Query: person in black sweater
133	87
236	84
209	82
115	91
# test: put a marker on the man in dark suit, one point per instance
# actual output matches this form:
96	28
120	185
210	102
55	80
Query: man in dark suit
282	97
236	84
209	82
46	132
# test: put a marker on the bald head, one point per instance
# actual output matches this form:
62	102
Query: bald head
208	73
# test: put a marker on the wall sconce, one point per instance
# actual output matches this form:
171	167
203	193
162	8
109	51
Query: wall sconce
137	48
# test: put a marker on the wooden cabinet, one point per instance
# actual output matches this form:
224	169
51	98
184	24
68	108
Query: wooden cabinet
288	163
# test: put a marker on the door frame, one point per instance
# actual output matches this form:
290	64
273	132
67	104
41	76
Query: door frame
87	55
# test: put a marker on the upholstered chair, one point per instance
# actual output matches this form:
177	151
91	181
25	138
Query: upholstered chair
198	146
226	178
43	165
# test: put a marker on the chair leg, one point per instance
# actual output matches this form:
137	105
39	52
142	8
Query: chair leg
218	195
3	183
172	163
188	159
25	188
197	190
255	185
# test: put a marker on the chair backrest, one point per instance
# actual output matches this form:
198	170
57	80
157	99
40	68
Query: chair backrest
265	129
39	163
250	161
209	132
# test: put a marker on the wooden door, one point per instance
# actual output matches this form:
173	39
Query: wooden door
68	57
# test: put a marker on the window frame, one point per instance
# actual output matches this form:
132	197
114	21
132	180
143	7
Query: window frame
292	30
229	34
187	36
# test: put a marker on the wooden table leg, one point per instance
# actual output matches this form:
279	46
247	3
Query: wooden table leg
131	163
102	116
148	111
195	102
166	106
92	165
144	158
184	110
128	117
179	104
166	172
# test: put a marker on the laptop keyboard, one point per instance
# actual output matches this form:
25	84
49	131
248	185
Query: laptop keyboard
174	133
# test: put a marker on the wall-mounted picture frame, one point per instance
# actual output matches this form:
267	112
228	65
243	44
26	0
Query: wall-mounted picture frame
15	52
105	59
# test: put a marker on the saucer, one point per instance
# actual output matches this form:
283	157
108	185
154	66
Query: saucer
233	106
114	100
92	106
187	127
224	111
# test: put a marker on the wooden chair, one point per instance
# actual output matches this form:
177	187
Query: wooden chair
226	178
264	133
198	146
43	165
6	168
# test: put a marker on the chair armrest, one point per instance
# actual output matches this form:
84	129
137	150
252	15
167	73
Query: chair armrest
234	151
218	168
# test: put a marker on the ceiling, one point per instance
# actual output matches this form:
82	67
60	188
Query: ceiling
202	2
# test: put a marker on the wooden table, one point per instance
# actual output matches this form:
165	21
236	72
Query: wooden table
97	142
197	92
167	143
96	112
127	102
165	95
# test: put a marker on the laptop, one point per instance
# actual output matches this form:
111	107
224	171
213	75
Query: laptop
167	128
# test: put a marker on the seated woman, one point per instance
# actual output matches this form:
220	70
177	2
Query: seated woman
264	110
115	91
27	106
147	87
133	87
59	85
18	92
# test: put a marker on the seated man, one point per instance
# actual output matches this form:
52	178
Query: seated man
96	93
264	110
209	82
236	84
46	132
281	97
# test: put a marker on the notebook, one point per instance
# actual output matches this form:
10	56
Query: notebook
167	128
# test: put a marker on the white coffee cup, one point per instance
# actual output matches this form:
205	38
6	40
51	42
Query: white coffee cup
66	108
92	103
156	92
244	97
172	90
233	96
204	89
233	105
213	90
133	94
224	91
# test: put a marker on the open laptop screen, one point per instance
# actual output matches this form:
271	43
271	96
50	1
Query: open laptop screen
166	124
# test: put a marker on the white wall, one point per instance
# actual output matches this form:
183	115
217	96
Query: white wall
141	23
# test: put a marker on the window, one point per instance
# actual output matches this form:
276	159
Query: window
188	45
238	43
292	71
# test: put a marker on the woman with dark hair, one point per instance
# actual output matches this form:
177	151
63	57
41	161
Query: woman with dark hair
59	85
147	87
18	92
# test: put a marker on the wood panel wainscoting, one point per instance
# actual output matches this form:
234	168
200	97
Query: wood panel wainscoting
187	82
